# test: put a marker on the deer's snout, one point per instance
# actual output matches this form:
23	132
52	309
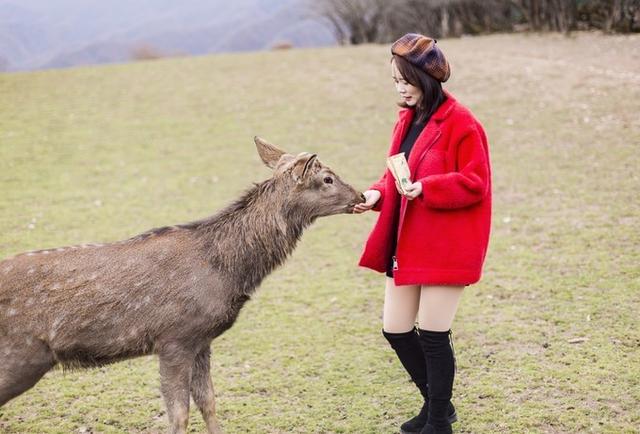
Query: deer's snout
358	198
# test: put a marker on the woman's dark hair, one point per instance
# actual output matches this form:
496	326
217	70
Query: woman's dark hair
432	94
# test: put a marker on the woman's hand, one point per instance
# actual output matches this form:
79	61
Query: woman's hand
371	197
413	190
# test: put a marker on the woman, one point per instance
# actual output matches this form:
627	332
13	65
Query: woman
430	241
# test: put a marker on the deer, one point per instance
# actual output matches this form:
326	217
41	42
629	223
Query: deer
167	292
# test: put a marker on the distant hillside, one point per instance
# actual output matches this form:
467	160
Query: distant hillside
37	34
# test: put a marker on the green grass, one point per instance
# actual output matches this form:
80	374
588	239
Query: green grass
99	154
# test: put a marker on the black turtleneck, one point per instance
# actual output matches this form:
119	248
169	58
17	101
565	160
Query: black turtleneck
411	136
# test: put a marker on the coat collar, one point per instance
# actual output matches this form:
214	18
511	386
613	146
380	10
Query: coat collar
427	137
446	108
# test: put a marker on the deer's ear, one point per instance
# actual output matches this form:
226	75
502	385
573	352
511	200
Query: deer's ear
269	153
303	163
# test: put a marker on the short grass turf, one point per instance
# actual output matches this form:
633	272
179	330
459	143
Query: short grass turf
547	342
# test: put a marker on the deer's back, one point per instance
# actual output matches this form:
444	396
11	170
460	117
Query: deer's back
115	300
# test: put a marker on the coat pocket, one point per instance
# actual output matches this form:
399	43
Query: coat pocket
433	162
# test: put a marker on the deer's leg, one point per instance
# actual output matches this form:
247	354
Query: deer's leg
23	361
175	378
202	390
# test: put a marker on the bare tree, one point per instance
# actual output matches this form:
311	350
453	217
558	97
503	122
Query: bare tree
548	15
361	21
611	15
567	15
383	21
356	21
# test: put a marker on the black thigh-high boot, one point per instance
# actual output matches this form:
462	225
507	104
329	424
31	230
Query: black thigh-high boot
408	349
440	362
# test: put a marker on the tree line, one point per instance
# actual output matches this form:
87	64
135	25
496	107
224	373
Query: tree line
382	21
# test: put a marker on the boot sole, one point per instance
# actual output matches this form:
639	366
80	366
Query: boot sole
452	418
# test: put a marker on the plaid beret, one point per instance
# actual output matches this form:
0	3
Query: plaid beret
421	51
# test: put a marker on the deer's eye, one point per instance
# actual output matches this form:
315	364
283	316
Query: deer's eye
328	180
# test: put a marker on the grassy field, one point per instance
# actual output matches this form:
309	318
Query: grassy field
547	342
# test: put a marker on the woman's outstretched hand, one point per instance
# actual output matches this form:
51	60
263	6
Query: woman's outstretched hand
371	197
414	190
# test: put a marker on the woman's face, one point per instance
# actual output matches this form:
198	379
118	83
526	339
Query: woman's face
410	94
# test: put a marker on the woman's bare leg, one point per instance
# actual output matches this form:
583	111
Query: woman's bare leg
399	319
400	307
438	307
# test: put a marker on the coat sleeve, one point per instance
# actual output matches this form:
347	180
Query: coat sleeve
466	186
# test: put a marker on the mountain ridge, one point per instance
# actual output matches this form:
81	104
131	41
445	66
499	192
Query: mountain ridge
35	35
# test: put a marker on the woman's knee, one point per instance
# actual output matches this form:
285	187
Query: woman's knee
396	327
398	321
400	307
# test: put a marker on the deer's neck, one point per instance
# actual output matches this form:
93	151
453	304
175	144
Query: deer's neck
253	236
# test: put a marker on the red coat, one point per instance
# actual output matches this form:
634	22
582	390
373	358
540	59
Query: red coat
443	233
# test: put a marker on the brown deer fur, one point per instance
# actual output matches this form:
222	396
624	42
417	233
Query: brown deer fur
169	291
